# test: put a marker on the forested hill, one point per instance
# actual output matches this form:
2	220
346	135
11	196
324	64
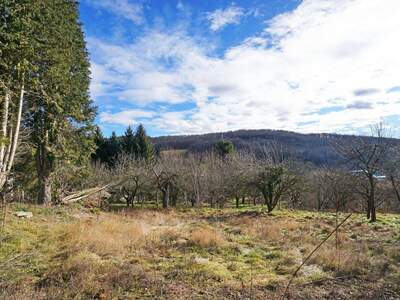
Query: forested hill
315	148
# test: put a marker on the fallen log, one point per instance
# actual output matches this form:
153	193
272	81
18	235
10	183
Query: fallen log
84	194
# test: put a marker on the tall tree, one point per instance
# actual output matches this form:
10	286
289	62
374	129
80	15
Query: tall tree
365	155
101	150
60	110
113	148
16	53
129	144
144	146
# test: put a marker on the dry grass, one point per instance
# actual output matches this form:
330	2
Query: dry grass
272	230
347	260
151	254
105	237
207	238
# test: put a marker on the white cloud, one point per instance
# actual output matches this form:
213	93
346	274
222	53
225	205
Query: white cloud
127	117
127	9
150	70
321	55
222	17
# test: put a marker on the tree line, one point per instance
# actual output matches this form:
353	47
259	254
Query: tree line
268	177
50	147
133	143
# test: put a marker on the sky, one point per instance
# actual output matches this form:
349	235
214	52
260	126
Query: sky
198	66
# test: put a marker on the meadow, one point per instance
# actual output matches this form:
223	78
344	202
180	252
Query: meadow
70	252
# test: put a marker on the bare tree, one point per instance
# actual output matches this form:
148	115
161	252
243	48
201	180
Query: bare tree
365	156
166	175
194	179
236	173
392	169
336	187
133	175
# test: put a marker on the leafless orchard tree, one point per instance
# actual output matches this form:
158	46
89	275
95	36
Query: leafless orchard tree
365	155
166	174
336	187
238	172
194	174
392	170
215	179
133	177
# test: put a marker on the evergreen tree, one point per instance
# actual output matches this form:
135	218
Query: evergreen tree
113	148
60	111
101	151
224	148
144	146
129	145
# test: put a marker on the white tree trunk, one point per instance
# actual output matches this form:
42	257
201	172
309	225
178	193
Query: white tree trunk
4	122
8	150
10	140
17	128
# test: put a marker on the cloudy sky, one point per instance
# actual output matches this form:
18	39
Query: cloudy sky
196	66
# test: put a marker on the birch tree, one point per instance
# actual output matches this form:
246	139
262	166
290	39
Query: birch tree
16	53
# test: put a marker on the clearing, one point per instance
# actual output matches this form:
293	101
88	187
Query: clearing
72	253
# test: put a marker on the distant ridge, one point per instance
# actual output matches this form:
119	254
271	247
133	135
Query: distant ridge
313	147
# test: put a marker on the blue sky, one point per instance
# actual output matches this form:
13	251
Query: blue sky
188	67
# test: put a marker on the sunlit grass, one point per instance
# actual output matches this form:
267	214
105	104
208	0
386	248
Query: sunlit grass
71	253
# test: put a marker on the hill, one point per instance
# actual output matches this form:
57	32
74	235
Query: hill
314	148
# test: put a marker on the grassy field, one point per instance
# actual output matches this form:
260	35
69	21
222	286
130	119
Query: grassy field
70	253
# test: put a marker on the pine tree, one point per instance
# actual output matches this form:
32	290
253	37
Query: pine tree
113	149
224	148
60	111
144	146
129	145
100	153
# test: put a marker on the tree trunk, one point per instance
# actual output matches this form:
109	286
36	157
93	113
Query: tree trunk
4	123
43	168
44	194
17	128
165	194
371	214
373	211
197	201
174	199
372	204
156	198
319	201
243	199
237	201
396	191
